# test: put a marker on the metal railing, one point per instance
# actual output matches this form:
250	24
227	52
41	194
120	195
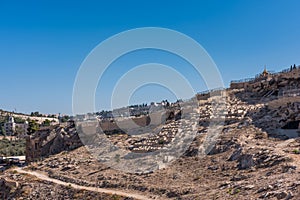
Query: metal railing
271	73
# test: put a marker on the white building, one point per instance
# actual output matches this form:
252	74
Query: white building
12	128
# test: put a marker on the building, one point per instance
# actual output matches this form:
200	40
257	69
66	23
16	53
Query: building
10	126
13	128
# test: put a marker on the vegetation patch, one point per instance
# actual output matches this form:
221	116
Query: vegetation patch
12	147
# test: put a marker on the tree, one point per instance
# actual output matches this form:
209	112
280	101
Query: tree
19	120
47	122
2	129
51	116
65	118
32	127
19	132
36	114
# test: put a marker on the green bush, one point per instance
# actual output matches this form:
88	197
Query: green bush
12	148
296	151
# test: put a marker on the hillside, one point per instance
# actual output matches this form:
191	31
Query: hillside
256	155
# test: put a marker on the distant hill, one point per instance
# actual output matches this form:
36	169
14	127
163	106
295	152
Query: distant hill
26	116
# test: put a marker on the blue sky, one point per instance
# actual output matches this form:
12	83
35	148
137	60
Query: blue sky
43	43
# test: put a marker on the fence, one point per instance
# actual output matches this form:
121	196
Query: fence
257	76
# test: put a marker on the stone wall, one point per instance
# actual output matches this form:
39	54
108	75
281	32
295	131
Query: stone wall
238	85
111	125
50	141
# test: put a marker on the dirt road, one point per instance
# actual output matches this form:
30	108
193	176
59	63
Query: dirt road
94	189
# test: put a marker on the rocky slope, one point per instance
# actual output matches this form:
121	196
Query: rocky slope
250	160
245	164
22	186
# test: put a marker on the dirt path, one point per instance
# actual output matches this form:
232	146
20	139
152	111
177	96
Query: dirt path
93	189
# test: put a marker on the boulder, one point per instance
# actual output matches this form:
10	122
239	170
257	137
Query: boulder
4	189
245	161
235	155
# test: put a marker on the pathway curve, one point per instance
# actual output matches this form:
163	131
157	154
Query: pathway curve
93	189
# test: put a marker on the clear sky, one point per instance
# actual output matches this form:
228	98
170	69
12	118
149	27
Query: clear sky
43	43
